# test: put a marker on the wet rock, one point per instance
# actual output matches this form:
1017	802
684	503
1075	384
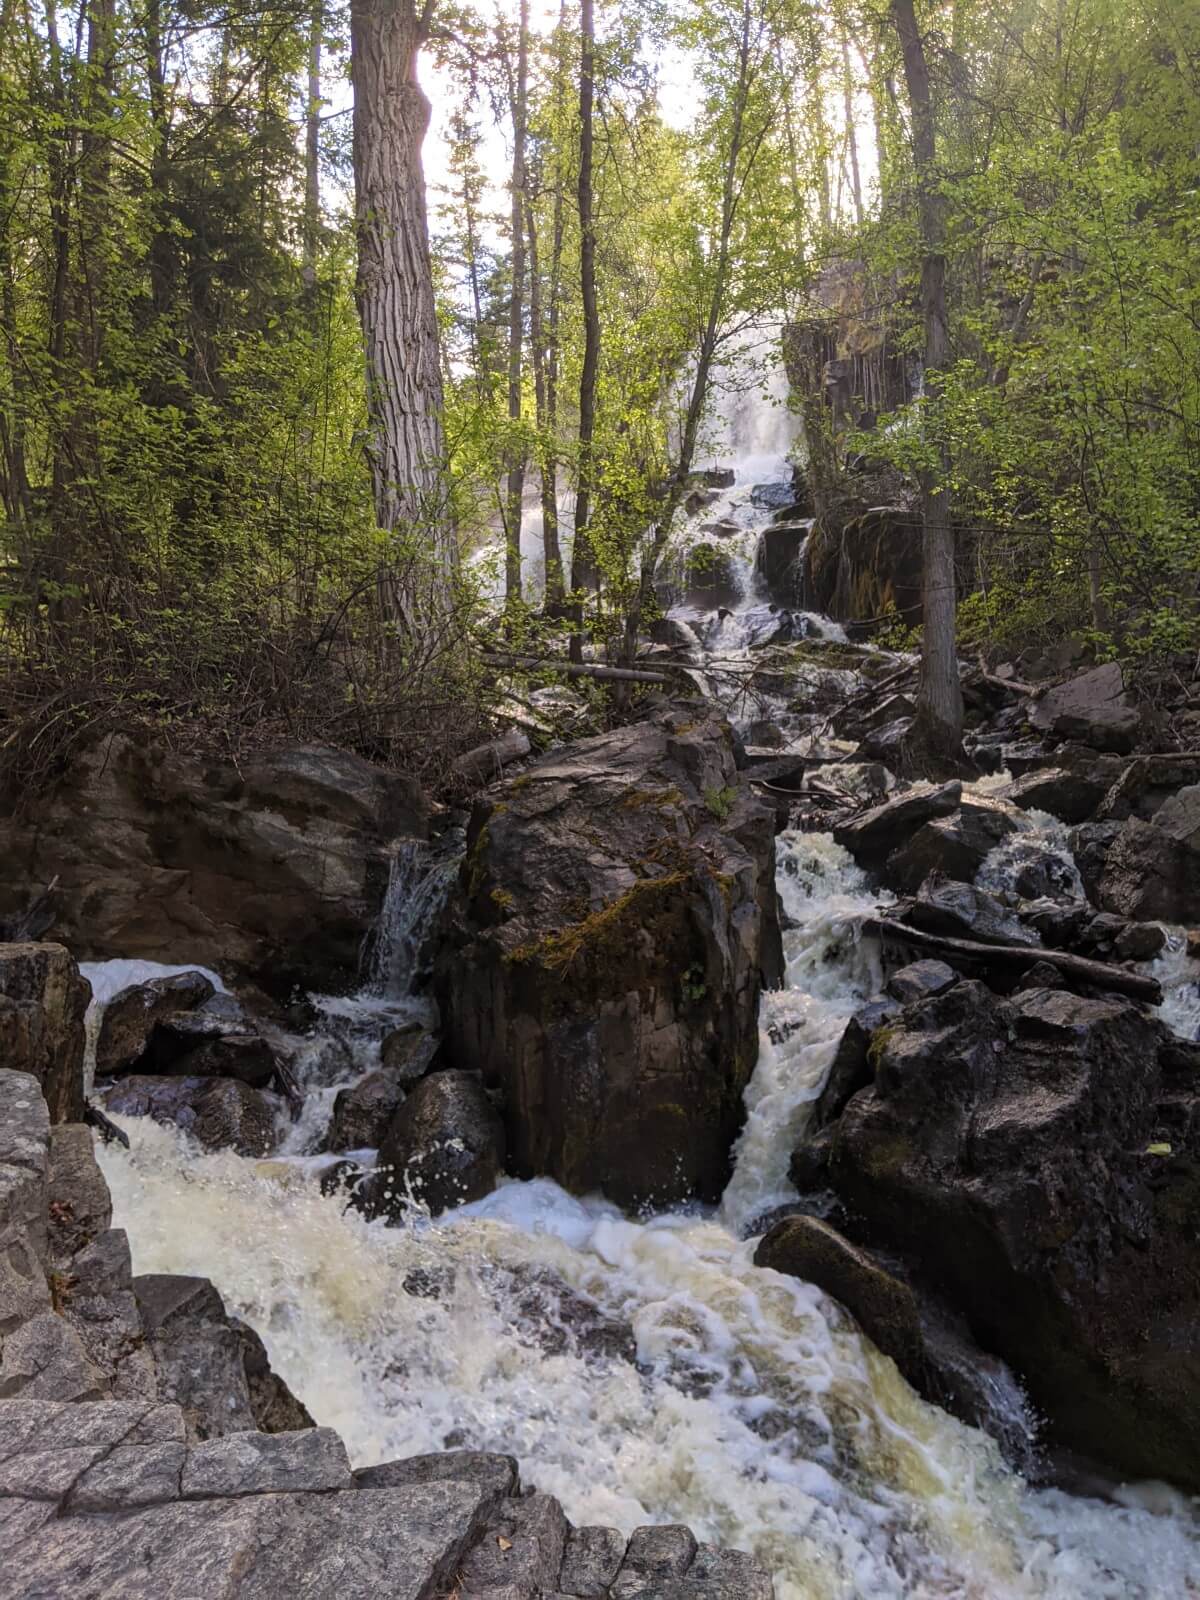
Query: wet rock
42	1004
955	846
709	577
777	561
766	735
870	567
407	1054
779	495
674	634
199	1045
886	743
873	835
445	1146
558	1319
131	1014
1093	708
219	1113
921	980
1151	874
1003	1145
269	868
850	1069
363	1113
961	911
885	1308
661	1552
603	956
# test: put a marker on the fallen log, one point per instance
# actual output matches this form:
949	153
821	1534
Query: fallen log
578	669
489	760
1098	973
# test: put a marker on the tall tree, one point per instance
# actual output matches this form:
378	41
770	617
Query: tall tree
936	737
584	574
518	95
395	280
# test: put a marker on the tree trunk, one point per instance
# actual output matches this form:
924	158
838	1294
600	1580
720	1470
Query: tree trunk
936	739
547	460
312	147
516	321
583	564
395	283
851	132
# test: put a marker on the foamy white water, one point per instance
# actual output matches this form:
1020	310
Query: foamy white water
754	1411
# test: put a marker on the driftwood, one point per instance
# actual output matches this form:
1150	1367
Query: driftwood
1014	684
1098	973
104	1126
489	760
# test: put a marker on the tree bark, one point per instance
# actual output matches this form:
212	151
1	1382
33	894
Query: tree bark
547	458
312	147
395	282
936	739
851	132
584	574
516	320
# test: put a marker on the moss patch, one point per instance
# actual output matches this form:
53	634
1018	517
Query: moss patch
606	934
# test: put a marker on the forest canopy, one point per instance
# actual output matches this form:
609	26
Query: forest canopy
268	401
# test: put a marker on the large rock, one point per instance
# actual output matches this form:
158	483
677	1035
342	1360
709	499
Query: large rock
199	1045
602	958
1015	1150
219	1113
777	560
873	835
866	570
1093	708
269	868
444	1147
130	1016
1152	873
955	846
43	1000
363	1112
960	911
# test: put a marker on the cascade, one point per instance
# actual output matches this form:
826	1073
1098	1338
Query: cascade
749	1406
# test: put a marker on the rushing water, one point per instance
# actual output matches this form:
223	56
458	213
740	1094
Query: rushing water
753	1409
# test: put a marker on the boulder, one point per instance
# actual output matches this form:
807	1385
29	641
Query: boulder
268	868
1093	708
955	846
961	911
872	836
1069	793
444	1146
602	957
43	1000
196	1044
363	1112
779	495
850	1069
920	980
1013	1149
407	1054
130	1016
219	1113
1089	845
866	570
1151	874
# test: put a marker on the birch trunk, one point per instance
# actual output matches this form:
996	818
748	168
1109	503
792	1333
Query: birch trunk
515	489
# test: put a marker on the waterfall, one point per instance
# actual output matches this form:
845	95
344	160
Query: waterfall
418	881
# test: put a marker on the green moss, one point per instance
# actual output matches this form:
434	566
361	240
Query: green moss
636	799
605	937
720	801
880	1040
477	862
502	898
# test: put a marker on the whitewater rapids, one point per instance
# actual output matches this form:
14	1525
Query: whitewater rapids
755	1412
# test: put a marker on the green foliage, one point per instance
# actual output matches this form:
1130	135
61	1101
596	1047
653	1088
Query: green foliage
720	801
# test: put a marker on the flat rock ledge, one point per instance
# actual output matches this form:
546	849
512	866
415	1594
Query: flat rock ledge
121	1479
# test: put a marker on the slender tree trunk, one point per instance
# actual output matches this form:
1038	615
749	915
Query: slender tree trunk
515	490
395	281
584	574
312	146
547	461
936	739
851	132
17	497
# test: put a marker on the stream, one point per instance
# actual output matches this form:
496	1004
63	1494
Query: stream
749	1407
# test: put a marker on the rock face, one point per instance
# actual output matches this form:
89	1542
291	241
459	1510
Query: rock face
268	869
602	958
1037	1158
445	1145
867	569
171	1461
130	1016
42	1004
